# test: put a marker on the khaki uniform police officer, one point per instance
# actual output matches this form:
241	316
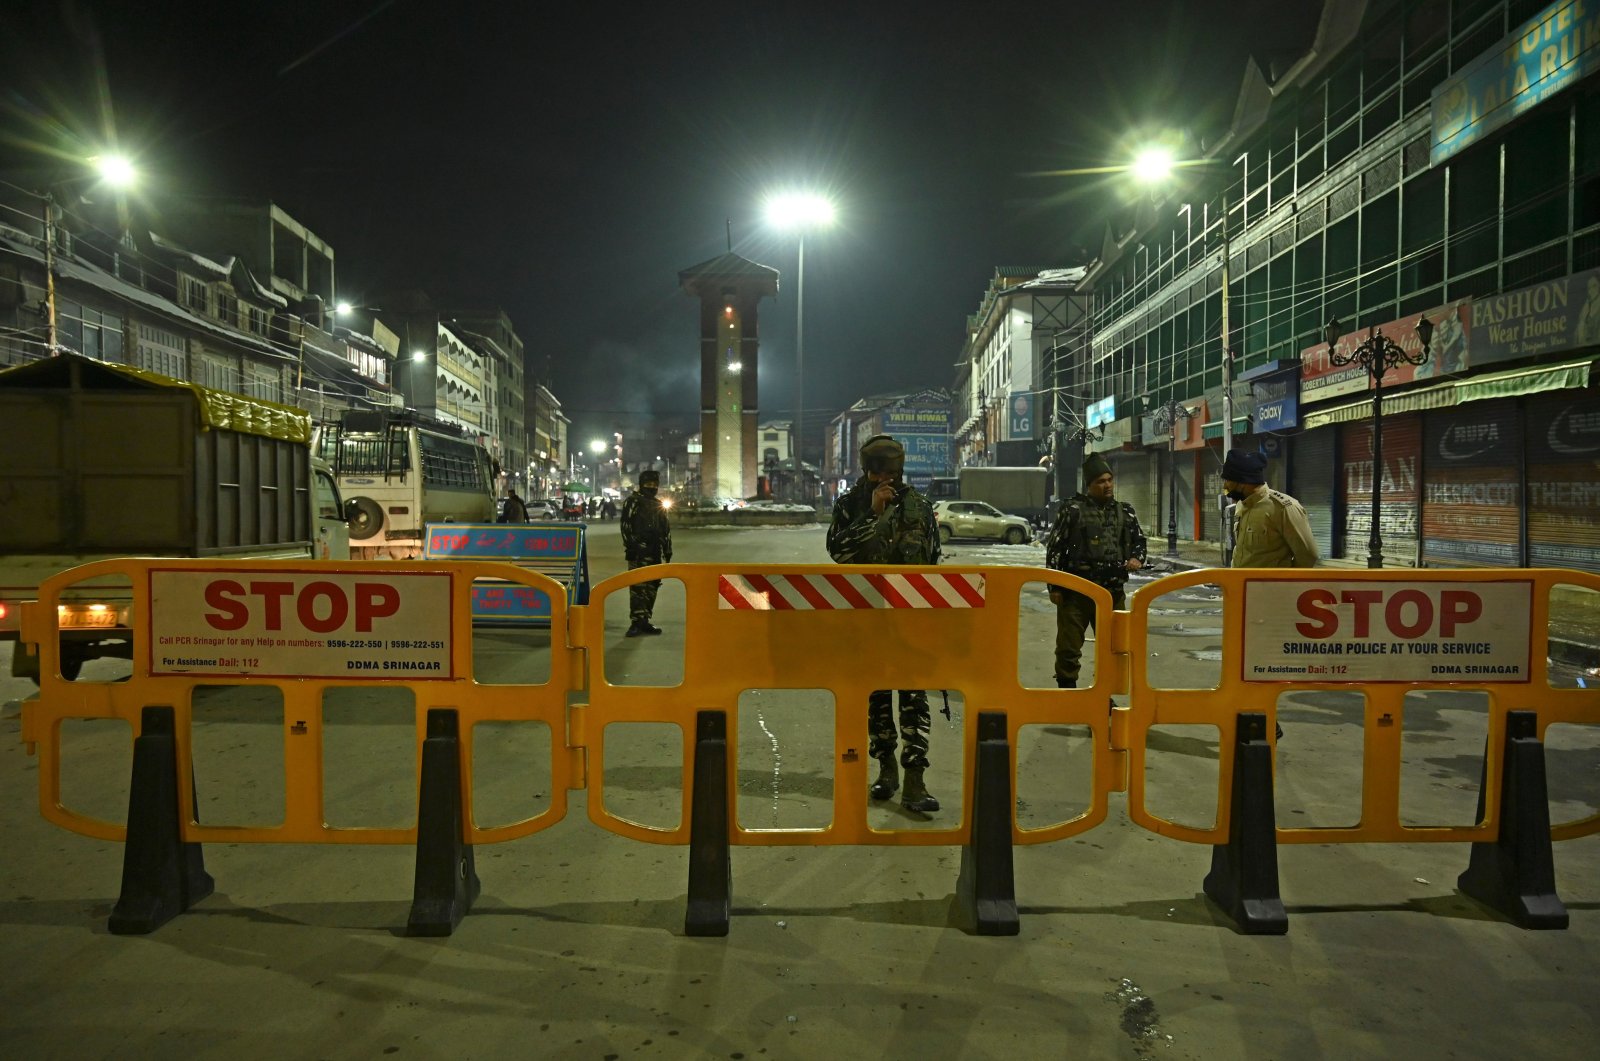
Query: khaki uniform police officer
1270	527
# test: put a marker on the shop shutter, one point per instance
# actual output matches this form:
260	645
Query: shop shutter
1402	446
1211	491
1563	444
1471	493
1311	481
1188	460
1136	484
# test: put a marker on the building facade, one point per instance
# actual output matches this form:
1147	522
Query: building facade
1423	158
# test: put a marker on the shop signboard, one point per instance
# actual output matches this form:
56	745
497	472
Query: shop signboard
1020	422
925	433
1545	318
1320	378
1555	48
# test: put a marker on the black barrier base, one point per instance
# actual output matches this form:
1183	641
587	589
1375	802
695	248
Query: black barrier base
162	876
986	890
1516	874
1244	871
447	876
710	866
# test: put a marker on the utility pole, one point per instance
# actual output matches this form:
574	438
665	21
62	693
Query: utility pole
50	272
1227	350
1227	386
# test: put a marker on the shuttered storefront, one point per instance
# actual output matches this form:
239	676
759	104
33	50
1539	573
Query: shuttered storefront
1312	481
1563	494
1471	493
1136	484
1188	460
1210	491
1402	446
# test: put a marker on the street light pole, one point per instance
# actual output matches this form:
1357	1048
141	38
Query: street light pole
799	360
1167	416
1377	356
800	212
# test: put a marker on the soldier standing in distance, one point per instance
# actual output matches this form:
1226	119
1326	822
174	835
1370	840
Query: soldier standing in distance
882	520
1097	538
646	540
1270	528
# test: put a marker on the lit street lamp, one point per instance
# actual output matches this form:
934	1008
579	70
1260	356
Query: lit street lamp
115	171
1166	418
798	213
1377	356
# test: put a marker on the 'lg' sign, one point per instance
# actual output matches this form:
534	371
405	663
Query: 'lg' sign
1406	613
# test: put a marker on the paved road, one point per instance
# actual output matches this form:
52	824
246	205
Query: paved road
576	948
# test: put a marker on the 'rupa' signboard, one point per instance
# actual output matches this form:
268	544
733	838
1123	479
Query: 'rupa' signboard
1318	630
278	623
554	549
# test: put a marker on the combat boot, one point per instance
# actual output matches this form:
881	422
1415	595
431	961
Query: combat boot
888	778
916	797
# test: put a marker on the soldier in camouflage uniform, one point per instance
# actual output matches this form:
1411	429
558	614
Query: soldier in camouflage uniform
1096	537
646	540
882	520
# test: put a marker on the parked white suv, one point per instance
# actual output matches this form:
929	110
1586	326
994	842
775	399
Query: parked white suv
979	519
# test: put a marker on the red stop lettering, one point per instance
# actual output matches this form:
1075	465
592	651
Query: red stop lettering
231	614
374	600
1457	607
306	607
1317	604
1394	613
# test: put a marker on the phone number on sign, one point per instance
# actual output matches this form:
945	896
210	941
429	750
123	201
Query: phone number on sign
416	644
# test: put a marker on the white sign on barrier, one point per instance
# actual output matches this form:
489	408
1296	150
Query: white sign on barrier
300	624
1317	630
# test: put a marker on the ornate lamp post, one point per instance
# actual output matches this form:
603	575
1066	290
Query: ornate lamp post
1081	437
1166	419
1377	355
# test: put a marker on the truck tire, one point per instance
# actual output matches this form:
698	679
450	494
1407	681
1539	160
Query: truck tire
944	534
1015	536
365	517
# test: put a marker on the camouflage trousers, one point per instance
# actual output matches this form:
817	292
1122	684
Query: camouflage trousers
642	595
915	722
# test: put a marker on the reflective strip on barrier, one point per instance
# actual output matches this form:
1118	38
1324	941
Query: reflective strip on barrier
913	589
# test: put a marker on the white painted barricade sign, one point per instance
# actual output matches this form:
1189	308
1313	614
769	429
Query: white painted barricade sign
1318	630
300	624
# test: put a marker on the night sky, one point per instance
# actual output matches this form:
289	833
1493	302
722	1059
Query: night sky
565	161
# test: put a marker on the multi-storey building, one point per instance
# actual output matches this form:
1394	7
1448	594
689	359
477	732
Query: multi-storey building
920	420
1006	392
491	333
1423	158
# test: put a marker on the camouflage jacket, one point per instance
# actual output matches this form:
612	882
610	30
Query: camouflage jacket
1095	541
904	534
646	534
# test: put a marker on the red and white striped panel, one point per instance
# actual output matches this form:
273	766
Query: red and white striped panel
844	592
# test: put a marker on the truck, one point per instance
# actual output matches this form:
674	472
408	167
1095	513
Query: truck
105	460
1021	492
